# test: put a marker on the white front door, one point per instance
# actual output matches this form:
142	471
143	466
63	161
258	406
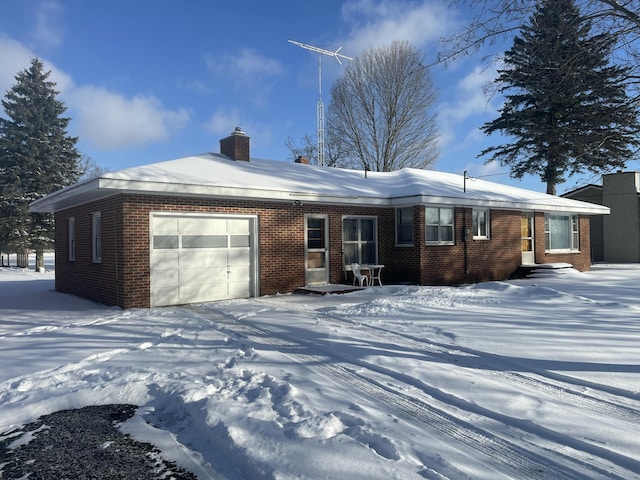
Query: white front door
526	227
316	250
201	258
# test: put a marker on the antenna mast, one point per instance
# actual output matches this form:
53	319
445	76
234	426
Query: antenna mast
337	55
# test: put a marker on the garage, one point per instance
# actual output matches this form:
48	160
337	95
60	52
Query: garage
202	258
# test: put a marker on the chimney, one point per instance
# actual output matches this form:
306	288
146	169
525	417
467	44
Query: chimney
302	159
236	145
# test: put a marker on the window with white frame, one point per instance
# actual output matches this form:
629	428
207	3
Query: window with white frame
404	226
561	232
96	237
480	223
360	240
439	224
71	239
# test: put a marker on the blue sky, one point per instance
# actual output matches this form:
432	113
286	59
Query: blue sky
147	81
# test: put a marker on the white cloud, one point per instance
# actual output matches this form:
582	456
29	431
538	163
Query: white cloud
109	120
103	118
375	23
222	122
249	70
47	30
470	106
15	58
249	63
470	95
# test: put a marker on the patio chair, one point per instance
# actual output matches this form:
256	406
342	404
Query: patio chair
358	275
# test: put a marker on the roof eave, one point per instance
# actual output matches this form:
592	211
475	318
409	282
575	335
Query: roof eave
99	188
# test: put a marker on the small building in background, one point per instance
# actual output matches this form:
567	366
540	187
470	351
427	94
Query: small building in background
614	237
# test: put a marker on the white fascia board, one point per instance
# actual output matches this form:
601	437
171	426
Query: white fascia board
242	193
66	197
554	205
98	188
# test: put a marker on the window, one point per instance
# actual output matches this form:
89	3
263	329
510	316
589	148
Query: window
480	223
165	242
96	238
404	226
359	240
561	232
315	233
439	225
71	238
205	241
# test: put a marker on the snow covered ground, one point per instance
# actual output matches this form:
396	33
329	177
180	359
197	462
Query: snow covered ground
536	378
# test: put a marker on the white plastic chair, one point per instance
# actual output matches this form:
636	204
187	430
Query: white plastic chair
358	275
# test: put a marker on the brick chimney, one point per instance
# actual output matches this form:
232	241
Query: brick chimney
236	145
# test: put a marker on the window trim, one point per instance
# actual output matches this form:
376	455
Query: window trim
440	226
71	239
574	233
348	261
96	237
477	234
399	224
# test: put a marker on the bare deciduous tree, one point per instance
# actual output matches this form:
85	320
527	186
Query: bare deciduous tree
308	148
88	167
381	111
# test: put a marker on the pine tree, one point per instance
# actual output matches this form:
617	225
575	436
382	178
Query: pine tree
37	157
565	103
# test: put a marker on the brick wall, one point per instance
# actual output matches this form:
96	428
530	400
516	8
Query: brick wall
101	282
123	276
580	260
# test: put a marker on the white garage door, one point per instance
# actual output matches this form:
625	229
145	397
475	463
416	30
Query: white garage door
196	258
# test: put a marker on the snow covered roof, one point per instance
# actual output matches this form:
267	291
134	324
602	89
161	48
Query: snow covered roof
216	176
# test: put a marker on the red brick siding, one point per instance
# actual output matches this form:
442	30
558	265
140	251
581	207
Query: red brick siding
123	277
580	260
101	282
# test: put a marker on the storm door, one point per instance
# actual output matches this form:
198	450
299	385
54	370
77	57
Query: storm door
528	254
316	250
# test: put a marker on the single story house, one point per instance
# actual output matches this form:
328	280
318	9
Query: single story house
221	226
614	237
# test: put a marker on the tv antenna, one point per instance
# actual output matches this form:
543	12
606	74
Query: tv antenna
337	55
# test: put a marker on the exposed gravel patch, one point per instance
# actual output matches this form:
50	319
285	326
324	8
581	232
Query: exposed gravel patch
81	444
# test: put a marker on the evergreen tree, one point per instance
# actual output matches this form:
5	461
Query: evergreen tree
37	157
565	103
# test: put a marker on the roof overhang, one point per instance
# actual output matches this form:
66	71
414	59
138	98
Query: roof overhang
99	188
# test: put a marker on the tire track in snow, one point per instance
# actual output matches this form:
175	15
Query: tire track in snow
507	455
593	456
561	387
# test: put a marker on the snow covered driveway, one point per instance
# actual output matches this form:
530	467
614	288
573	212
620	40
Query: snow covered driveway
524	379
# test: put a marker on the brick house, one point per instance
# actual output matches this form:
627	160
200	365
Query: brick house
220	226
